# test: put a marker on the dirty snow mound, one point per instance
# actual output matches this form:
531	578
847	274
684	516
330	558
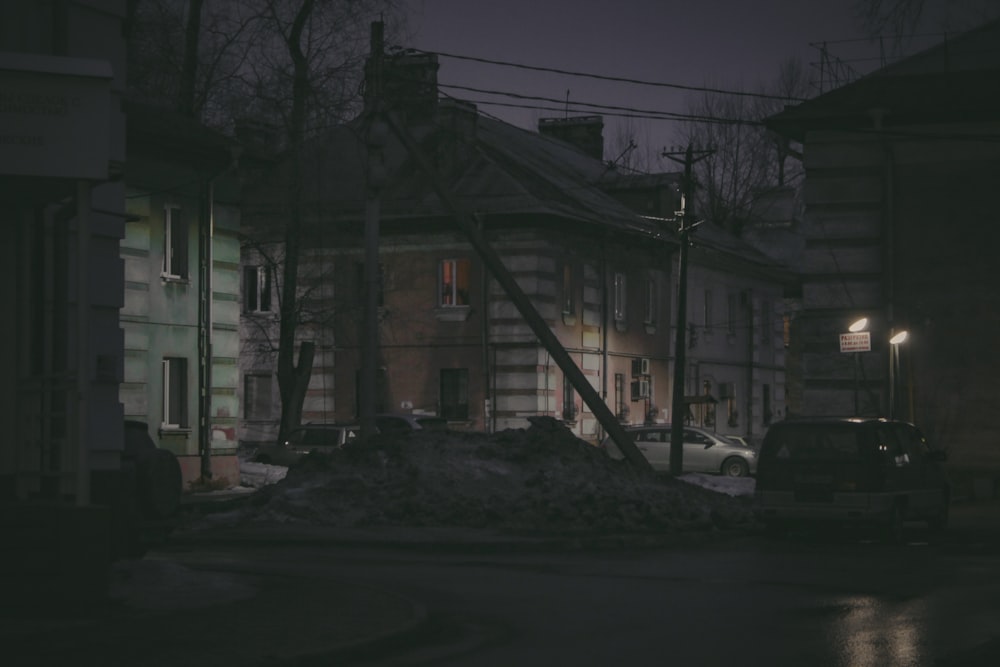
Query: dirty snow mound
541	478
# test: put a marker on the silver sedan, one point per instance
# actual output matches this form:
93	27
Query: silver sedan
704	451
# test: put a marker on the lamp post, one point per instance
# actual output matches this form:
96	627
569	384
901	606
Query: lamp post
895	341
856	327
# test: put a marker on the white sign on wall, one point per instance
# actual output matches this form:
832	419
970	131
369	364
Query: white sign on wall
856	342
54	117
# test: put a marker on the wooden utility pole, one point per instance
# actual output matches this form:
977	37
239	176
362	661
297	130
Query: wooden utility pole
677	409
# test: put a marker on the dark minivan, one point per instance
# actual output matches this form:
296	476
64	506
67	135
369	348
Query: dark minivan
850	469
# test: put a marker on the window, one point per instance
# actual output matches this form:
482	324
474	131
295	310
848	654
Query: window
175	243
621	408
257	396
727	392
569	408
786	330
619	296
454	281
568	302
708	309
175	414
650	316
455	393
256	289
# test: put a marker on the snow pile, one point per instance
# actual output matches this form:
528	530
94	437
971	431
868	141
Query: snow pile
541	478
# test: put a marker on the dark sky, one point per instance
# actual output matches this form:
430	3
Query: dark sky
717	43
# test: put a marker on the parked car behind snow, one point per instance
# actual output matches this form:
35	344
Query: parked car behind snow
704	451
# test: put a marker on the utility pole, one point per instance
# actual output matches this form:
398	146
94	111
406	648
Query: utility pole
680	343
375	141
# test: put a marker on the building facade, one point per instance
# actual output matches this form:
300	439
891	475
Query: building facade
62	147
899	227
451	342
181	307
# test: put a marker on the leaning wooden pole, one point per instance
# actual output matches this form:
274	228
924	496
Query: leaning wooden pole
538	325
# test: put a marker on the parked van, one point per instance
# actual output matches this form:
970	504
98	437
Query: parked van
850	469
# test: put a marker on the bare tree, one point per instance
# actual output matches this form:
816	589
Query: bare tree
747	160
295	65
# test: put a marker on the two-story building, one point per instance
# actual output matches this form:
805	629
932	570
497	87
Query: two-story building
181	305
600	272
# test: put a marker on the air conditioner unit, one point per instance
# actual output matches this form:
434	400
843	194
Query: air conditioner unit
640	389
640	367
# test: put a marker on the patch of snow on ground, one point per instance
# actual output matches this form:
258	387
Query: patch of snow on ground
541	478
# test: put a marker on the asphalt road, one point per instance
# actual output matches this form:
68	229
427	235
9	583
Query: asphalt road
837	600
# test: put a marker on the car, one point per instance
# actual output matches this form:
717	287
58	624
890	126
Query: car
704	451
405	422
305	439
857	470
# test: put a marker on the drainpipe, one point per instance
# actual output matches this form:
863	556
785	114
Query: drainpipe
604	322
206	235
488	408
82	494
750	335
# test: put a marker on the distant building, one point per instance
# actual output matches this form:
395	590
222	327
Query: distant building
570	230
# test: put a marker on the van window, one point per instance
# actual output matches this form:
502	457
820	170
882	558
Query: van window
813	443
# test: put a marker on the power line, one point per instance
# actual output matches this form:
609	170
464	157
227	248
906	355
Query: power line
646	113
602	77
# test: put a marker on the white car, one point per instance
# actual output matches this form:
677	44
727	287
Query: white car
704	451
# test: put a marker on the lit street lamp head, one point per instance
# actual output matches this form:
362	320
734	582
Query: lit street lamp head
859	325
899	338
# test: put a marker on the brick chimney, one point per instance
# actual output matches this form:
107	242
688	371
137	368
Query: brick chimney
410	84
586	133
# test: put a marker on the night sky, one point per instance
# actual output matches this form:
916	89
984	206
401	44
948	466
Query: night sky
725	44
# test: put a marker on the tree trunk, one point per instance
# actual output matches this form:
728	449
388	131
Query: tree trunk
291	385
189	70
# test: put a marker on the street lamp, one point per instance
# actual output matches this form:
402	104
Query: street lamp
857	326
895	341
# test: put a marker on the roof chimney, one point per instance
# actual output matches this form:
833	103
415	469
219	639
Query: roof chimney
411	83
586	133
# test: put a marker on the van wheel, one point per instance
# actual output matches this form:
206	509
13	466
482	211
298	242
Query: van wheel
894	526
735	467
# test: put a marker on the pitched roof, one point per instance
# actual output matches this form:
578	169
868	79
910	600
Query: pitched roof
957	80
494	169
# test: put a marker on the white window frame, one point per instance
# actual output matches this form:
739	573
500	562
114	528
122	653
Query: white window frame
651	301
261	286
450	299
166	405
170	244
620	285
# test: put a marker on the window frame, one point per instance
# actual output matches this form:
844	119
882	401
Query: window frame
176	237
651	302
174	379
267	402
454	382
620	288
454	292
261	282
